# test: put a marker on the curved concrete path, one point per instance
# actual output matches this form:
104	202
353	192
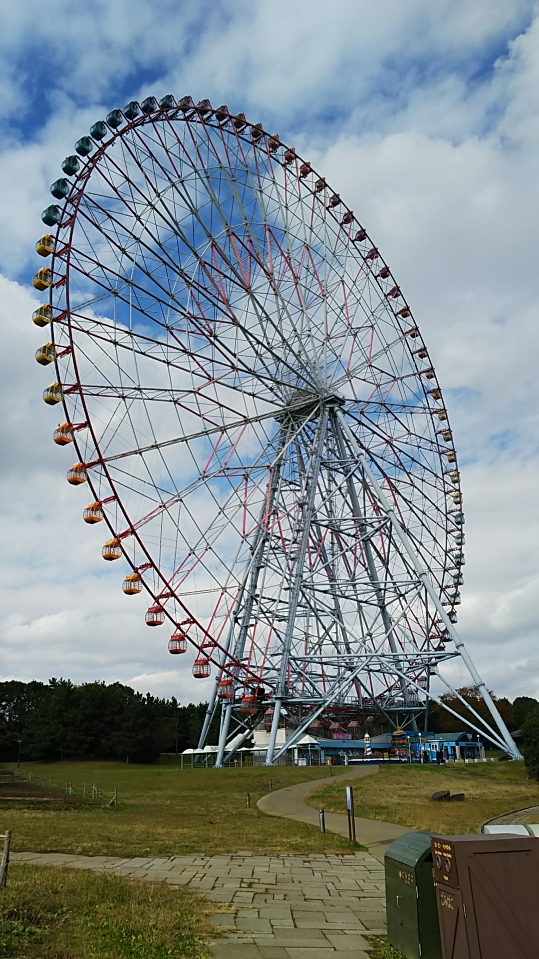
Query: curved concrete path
289	803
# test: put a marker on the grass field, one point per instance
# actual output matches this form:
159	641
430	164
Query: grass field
53	913
401	794
163	810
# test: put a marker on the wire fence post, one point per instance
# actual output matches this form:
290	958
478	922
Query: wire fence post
5	858
322	817
248	800
351	814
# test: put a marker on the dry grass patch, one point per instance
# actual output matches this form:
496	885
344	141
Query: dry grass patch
165	811
56	913
401	794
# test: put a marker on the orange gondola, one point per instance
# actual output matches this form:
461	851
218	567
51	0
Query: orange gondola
111	550
63	434
93	513
132	584
76	474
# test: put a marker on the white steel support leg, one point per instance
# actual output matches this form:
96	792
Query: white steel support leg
223	734
405	540
296	586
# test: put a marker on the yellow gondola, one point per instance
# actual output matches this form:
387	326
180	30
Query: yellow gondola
42	279
42	316
45	246
45	354
53	394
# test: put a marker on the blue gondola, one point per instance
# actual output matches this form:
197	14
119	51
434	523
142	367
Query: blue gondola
186	103
115	119
84	146
52	215
168	102
71	165
98	130
149	105
204	107
60	188
132	110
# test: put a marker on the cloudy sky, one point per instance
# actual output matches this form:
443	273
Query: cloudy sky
425	118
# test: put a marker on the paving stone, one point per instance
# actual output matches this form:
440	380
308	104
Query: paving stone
273	952
276	910
324	953
223	920
344	942
291	936
253	924
226	949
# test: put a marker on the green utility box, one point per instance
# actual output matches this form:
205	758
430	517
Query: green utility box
412	911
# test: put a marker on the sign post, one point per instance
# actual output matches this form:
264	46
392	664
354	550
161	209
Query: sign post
351	814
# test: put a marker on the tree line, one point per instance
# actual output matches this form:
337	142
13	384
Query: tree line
520	716
60	720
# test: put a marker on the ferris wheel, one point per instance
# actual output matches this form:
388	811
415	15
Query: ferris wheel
257	419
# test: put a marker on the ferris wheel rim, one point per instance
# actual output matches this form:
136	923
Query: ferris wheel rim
85	175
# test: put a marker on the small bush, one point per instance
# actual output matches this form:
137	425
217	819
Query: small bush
382	949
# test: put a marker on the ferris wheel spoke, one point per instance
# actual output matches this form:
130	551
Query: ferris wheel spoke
228	261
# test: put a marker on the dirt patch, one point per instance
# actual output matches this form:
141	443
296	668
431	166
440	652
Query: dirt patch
13	790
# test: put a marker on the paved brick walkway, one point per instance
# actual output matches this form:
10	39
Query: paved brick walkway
284	907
